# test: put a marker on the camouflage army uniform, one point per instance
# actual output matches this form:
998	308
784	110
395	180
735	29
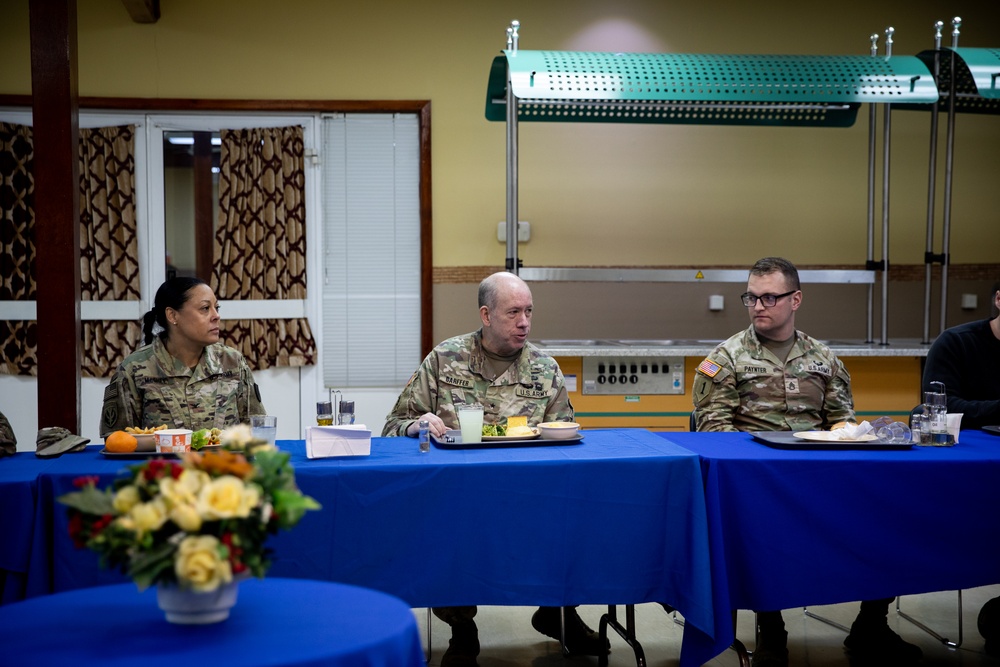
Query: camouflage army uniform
151	387
452	375
742	386
8	443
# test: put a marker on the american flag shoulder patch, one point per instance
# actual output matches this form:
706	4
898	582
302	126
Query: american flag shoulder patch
709	368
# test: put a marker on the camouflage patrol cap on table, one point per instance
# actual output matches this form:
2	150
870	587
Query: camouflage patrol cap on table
55	441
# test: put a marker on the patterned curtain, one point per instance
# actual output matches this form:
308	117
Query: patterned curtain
109	265
260	244
108	251
17	246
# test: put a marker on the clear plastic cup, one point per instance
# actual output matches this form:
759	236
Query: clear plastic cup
470	419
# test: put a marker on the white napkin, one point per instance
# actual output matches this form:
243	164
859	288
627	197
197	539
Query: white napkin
851	431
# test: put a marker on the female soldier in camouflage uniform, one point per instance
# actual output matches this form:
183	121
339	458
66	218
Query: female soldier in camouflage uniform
183	377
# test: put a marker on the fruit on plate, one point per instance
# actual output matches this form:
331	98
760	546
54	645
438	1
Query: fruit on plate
120	442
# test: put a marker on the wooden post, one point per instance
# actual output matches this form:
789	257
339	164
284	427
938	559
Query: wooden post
57	210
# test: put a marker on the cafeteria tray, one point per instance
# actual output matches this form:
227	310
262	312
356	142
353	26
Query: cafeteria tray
787	440
453	440
995	430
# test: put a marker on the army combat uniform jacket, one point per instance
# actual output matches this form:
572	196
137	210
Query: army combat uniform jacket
452	375
151	388
742	386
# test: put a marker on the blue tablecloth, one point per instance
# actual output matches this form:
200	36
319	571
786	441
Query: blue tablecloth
286	622
793	528
618	518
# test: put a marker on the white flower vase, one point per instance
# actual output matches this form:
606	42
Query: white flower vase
189	607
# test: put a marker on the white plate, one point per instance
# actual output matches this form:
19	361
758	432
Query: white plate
492	438
828	436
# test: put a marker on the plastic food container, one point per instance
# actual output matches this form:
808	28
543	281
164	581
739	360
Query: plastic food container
559	430
173	441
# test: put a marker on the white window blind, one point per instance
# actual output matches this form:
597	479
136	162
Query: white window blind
371	249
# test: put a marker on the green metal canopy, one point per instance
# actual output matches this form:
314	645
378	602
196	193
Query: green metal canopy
580	86
977	78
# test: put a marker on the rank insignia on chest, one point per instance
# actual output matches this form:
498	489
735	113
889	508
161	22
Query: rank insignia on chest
709	368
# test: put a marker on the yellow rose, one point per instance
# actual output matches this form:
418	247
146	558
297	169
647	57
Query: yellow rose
149	516
227	497
184	490
186	517
126	498
199	566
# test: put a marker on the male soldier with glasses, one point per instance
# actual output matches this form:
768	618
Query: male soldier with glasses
772	377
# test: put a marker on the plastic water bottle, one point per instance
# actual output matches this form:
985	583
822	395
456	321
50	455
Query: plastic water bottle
425	436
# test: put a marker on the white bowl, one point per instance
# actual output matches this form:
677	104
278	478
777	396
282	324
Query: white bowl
559	430
145	442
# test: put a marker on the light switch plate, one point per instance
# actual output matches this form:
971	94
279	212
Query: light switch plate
523	231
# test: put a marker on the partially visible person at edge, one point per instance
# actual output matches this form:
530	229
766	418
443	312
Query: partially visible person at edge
772	377
966	358
183	377
497	368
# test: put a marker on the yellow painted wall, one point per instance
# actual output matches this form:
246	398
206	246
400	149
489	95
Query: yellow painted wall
595	195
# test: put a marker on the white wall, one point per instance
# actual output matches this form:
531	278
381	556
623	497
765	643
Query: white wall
282	390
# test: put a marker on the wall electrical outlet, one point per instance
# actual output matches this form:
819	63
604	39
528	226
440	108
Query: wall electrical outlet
716	302
523	231
969	301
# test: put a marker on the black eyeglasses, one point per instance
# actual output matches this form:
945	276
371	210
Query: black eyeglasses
768	300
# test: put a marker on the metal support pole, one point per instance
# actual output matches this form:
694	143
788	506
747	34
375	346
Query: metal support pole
949	162
886	137
931	187
870	254
513	264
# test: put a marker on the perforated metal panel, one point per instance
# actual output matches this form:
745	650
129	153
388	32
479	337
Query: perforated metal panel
569	86
977	79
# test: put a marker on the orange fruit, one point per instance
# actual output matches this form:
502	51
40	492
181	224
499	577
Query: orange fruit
120	442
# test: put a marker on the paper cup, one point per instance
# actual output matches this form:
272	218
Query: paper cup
954	420
173	441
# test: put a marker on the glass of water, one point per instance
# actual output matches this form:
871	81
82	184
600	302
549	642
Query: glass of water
264	427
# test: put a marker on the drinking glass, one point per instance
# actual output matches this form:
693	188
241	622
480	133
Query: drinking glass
470	418
264	427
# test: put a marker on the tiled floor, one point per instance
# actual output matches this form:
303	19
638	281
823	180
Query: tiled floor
508	639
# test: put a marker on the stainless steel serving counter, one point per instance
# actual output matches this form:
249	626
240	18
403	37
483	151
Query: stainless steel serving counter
700	348
646	383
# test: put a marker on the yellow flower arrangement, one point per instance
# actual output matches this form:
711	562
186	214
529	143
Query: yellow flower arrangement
195	522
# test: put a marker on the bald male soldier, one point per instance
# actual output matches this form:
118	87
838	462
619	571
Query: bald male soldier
772	377
498	368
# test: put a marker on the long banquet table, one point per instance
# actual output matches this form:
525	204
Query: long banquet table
618	518
810	527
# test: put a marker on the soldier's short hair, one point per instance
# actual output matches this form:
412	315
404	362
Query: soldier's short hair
768	265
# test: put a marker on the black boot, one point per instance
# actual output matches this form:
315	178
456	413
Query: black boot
772	641
463	646
580	640
872	643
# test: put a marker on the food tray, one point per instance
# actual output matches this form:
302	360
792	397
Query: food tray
995	430
788	440
453	440
146	455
